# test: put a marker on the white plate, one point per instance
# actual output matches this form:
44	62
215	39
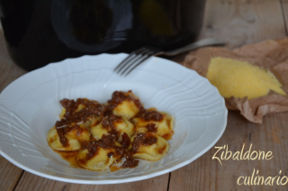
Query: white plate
30	106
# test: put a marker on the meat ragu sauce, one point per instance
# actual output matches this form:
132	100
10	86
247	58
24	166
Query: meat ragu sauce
71	117
121	138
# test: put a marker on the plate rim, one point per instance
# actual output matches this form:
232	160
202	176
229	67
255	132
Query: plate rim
121	180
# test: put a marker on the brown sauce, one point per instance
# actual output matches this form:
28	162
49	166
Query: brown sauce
150	115
161	150
109	121
69	156
151	127
143	139
119	96
168	136
62	132
121	145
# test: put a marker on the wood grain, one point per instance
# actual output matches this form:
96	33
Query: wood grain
284	6
9	175
208	174
243	21
8	71
32	182
240	22
237	22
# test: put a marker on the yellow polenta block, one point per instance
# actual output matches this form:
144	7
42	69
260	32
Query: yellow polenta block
241	79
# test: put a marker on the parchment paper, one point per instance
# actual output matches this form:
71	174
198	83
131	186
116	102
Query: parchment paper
270	54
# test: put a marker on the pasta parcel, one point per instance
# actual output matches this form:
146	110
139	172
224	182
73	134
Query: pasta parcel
112	135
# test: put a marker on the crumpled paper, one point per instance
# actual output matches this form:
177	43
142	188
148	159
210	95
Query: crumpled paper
270	54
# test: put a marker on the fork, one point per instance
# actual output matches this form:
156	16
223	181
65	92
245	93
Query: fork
139	56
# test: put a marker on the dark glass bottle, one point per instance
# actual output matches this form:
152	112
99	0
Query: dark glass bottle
40	32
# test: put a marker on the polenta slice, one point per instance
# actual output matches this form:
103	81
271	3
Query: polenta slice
234	78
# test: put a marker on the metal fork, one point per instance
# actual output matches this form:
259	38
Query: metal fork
139	56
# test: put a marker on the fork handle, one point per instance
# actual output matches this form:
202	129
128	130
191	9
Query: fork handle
192	46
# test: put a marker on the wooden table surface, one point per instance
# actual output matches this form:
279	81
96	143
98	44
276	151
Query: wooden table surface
238	22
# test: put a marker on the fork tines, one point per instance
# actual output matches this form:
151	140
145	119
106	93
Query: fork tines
133	60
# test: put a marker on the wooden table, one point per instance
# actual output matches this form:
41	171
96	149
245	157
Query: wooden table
239	22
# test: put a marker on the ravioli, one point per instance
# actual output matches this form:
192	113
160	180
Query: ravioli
98	131
72	138
113	135
101	160
159	122
109	123
150	147
125	104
